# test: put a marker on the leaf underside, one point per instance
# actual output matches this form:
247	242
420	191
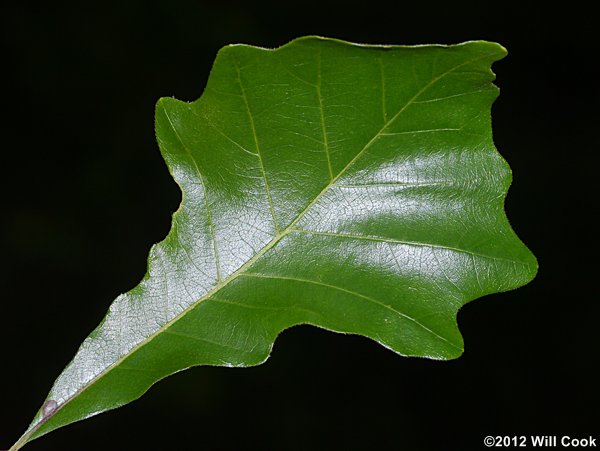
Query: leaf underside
355	188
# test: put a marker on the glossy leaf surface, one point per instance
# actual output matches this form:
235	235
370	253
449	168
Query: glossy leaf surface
354	188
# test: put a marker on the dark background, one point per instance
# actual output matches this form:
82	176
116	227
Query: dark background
85	193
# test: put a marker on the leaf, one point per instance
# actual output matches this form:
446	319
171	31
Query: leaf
355	188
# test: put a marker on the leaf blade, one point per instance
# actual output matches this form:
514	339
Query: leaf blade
240	231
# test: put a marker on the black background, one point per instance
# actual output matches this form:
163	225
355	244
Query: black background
85	193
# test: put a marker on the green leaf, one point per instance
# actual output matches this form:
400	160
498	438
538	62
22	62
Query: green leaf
355	188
